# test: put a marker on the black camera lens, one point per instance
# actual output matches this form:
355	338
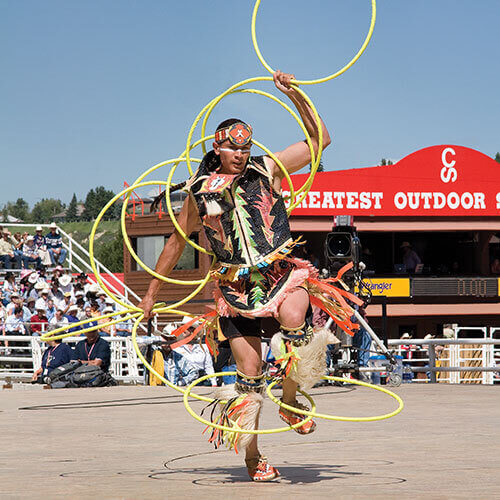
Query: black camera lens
339	245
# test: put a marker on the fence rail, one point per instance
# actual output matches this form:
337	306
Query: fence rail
26	357
464	360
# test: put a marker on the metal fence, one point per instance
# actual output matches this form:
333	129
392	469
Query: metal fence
22	356
455	361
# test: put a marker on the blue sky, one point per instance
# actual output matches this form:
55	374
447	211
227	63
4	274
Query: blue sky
94	92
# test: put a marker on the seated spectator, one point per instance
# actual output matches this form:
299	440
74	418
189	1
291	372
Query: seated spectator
101	301
9	287
55	292
34	288
43	301
91	294
495	266
93	350
80	303
178	370
410	257
81	279
87	314
41	246
15	301
17	241
51	309
56	354
7	255
14	324
71	316
94	310
29	310
65	302
30	254
39	322
106	331
58	320
197	355
54	245
124	328
57	272
65	284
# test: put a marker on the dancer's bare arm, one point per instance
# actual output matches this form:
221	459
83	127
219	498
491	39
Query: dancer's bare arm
170	255
297	155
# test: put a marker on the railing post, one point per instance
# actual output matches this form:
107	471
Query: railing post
432	362
70	260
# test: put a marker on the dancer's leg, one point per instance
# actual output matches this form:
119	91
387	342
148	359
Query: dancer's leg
291	314
247	353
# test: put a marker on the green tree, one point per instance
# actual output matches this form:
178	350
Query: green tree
321	167
95	201
71	214
384	162
111	254
497	157
44	210
20	210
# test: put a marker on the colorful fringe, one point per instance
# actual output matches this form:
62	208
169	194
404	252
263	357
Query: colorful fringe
240	411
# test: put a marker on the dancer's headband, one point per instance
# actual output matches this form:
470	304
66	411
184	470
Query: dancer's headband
240	134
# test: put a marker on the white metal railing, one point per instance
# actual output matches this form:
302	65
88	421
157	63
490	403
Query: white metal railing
474	356
495	334
23	356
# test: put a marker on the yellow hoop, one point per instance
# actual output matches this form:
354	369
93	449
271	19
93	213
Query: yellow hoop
326	78
193	384
315	160
313	414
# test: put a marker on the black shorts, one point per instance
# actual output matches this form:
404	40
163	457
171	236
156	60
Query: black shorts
239	326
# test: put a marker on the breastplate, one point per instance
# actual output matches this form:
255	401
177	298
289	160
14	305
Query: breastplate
244	218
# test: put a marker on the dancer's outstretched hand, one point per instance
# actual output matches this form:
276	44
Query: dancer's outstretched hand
147	304
282	82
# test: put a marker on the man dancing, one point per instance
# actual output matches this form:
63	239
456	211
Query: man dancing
237	196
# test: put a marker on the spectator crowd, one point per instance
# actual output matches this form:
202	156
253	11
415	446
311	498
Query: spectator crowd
34	301
21	251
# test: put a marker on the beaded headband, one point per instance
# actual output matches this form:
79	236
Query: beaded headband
240	134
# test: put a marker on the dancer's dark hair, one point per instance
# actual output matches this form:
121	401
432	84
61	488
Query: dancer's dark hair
228	122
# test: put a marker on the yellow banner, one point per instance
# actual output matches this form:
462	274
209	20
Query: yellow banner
388	287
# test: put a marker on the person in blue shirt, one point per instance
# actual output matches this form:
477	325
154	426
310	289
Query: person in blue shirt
56	354
178	369
54	246
94	350
71	317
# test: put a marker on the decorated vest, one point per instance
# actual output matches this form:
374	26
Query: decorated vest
244	218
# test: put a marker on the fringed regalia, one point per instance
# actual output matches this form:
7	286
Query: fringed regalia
246	224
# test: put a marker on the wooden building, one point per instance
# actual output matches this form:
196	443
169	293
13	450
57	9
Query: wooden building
443	200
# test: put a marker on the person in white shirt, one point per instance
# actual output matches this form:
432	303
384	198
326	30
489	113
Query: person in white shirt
65	284
15	302
14	323
197	355
65	302
58	320
43	301
9	286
